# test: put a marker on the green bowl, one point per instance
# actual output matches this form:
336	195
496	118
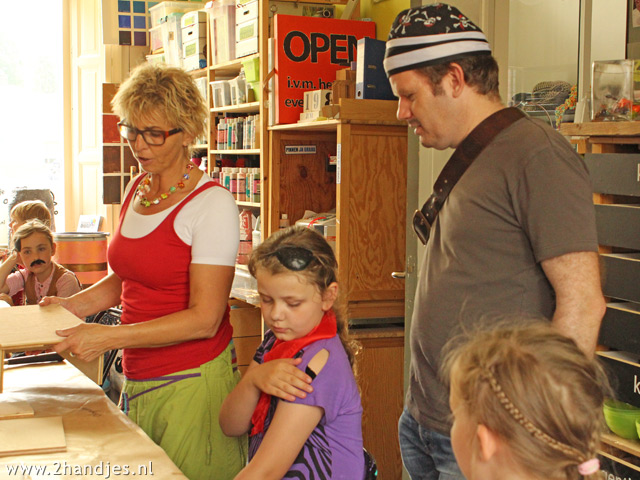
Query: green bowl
622	418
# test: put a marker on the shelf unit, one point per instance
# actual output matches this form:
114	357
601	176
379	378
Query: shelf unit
367	189
611	151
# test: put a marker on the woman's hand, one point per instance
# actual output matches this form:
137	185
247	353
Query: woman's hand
281	378
68	303
85	341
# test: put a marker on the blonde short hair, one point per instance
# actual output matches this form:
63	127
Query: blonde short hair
168	92
29	210
536	390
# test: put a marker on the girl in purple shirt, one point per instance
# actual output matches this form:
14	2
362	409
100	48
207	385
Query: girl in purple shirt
298	399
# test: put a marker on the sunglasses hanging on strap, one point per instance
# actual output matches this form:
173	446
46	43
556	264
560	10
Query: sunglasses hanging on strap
465	154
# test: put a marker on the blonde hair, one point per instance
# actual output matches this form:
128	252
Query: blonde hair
537	390
29	210
28	229
321	271
169	92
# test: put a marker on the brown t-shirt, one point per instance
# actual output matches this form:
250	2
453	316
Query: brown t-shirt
525	199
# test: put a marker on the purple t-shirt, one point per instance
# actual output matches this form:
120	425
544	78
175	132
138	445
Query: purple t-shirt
334	449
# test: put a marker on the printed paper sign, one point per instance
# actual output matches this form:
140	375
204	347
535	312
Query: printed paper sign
308	53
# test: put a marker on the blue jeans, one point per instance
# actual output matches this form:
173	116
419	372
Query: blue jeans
426	454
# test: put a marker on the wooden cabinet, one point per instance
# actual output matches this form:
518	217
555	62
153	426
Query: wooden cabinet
367	188
611	152
379	375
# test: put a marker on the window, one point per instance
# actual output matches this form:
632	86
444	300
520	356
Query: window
31	119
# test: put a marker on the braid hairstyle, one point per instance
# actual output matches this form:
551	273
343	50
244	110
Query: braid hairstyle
536	390
321	271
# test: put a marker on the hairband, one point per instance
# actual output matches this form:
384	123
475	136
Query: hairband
589	467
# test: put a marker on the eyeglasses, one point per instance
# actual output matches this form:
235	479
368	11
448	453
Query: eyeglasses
151	137
423	219
294	258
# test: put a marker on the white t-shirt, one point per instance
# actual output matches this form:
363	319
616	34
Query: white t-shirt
209	223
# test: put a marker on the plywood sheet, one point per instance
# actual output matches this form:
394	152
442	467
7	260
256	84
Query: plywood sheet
33	325
15	409
22	436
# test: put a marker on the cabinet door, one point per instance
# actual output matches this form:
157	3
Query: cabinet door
371	207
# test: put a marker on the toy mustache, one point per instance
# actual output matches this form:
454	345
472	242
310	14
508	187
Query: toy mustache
37	262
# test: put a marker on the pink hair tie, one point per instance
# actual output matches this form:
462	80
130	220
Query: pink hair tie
589	467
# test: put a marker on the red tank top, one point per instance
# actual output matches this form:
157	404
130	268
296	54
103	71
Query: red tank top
154	270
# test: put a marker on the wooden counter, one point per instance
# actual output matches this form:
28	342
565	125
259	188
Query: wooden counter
100	439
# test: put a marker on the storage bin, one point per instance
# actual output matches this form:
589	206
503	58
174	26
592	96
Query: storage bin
238	90
159	12
172	39
255	88
247	47
251	69
155	38
220	93
223	22
155	59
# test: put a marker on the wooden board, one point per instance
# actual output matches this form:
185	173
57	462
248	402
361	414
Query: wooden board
15	409
22	436
33	325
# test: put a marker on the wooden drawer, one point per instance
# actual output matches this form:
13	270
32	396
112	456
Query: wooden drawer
620	328
622	271
623	369
618	225
614	173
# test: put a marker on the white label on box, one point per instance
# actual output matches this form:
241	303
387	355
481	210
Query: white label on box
299	149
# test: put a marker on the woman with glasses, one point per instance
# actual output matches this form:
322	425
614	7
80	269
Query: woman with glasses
173	258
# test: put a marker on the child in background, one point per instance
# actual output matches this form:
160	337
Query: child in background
21	213
298	399
33	248
527	404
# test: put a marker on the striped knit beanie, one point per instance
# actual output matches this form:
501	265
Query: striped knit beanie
431	34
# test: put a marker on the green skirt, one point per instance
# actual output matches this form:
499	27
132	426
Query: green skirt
180	413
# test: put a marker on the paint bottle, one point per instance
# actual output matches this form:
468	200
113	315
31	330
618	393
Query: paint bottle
233	182
241	194
284	221
248	184
256	234
220	134
227	178
256	185
215	174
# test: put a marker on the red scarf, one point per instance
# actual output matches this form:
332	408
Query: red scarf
327	328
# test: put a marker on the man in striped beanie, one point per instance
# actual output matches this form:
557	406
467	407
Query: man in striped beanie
509	229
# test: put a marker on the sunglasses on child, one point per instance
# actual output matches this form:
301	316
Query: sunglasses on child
294	258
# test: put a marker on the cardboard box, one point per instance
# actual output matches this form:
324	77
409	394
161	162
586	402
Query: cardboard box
195	46
194	18
309	51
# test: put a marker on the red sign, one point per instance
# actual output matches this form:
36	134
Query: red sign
309	50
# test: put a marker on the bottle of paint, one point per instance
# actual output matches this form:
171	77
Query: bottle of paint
241	194
284	221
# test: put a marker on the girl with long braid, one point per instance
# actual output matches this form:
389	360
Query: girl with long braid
527	404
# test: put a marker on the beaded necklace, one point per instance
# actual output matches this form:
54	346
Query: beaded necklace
143	189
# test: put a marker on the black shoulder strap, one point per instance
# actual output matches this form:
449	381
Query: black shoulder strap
462	158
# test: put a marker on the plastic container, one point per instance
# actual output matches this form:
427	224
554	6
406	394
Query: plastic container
622	418
220	93
256	234
251	69
172	39
613	92
238	90
159	12
223	31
